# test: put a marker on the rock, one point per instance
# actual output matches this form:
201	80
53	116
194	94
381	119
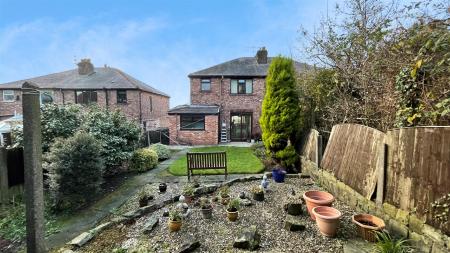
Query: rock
358	246
188	247
151	197
293	223
151	224
294	208
207	189
242	195
133	214
82	239
249	239
165	212
100	228
246	202
176	198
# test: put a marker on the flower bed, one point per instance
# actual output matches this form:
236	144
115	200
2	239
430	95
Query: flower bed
218	234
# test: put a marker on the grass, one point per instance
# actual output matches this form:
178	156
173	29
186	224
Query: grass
240	160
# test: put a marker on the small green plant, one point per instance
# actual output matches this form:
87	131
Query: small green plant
143	159
224	191
386	244
175	215
257	189
234	205
188	190
205	203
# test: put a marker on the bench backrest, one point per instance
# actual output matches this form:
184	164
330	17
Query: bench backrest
211	160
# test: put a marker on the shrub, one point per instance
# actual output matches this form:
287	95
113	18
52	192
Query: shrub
162	150
288	157
75	172
280	110
143	159
386	244
259	150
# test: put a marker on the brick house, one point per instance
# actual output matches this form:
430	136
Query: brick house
108	87
235	89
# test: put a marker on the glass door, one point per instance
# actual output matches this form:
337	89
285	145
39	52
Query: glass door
241	126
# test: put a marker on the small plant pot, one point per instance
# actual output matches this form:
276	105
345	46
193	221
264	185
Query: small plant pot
232	215
317	198
367	226
174	225
143	202
162	187
258	196
225	200
327	219
278	175
188	199
207	213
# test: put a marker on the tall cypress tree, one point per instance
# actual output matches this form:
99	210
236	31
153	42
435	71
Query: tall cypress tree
280	111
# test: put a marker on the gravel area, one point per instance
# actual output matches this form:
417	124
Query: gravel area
218	234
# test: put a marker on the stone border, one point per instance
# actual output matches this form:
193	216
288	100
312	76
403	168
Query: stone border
87	236
403	223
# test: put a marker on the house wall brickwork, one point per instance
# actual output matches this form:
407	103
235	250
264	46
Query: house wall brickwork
137	107
209	136
220	94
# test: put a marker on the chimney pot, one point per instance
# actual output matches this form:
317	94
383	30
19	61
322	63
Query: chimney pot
85	67
261	56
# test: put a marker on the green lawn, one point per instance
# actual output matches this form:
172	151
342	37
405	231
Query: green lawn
240	160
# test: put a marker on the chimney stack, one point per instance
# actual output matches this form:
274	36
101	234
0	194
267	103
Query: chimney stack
261	56
85	67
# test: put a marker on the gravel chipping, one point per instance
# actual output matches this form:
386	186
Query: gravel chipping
218	234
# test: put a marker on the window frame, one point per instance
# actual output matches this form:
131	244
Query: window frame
192	116
90	97
121	101
151	103
13	96
244	86
201	84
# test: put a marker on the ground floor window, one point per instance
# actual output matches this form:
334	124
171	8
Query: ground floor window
192	122
86	97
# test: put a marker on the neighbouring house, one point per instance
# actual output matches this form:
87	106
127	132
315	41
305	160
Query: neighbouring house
6	127
106	86
226	101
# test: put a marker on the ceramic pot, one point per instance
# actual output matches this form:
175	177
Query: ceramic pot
232	215
162	187
367	226
174	225
317	198
258	196
207	213
278	175
327	219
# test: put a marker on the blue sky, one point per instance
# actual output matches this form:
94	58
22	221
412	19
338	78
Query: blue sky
158	42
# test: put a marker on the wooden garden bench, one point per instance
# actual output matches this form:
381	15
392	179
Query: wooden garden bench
206	161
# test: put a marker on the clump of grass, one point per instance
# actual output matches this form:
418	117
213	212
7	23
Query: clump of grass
387	244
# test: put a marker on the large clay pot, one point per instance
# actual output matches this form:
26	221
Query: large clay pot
174	225
367	225
232	216
327	219
317	198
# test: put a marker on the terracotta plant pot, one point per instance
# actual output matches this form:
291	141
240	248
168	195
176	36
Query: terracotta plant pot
207	213
317	198
327	219
232	215
174	225
367	225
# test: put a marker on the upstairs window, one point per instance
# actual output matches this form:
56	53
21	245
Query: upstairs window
192	122
121	96
241	86
8	96
151	104
86	97
205	85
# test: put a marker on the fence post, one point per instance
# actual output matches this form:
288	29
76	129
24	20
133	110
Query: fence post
319	149
381	164
4	187
32	154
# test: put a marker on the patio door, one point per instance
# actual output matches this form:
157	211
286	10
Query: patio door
240	126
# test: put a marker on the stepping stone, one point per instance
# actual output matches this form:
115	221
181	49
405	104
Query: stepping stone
293	223
358	246
249	239
246	202
151	224
188	247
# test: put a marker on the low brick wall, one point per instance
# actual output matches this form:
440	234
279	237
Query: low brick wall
402	223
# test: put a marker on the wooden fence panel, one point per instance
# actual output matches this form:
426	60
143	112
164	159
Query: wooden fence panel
418	170
309	146
352	154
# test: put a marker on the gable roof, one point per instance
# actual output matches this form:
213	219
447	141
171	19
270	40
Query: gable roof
102	78
194	109
244	66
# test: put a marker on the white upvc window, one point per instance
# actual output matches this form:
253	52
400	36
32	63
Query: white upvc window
8	96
